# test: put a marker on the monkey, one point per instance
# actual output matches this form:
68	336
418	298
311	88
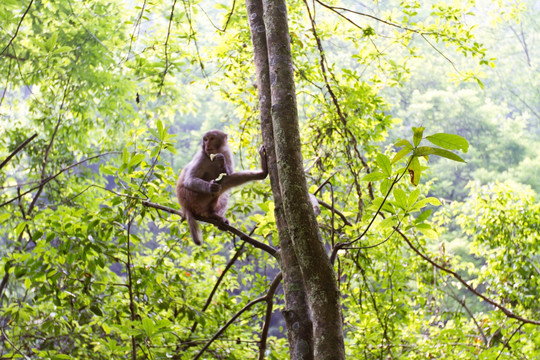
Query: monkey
202	188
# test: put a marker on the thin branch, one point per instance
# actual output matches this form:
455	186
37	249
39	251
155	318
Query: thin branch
52	177
332	208
269	294
137	25
268	316
229	15
166	53
342	245
8	77
324	183
374	245
192	35
132	312
506	311
86	29
464	305
18	27
49	147
218	282
19	148
222	226
4	282
507	341
13	345
423	34
342	116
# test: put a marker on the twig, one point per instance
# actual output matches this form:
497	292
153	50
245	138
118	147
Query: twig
130	290
259	245
342	116
332	208
49	147
268	317
52	177
166	53
19	148
18	27
421	33
229	15
506	311
462	303
342	245
4	282
13	345
137	25
507	341
269	294
8	77
324	183
218	282
192	35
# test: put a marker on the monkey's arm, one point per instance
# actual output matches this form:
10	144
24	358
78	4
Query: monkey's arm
242	177
191	180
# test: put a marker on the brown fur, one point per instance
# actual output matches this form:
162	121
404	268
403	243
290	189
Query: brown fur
197	191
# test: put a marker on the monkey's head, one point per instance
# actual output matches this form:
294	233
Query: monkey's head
214	142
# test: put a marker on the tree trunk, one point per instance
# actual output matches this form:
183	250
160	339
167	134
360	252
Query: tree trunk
300	220
296	313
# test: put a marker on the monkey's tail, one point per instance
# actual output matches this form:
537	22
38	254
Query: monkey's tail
194	228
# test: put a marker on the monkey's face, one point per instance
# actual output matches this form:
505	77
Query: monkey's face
214	141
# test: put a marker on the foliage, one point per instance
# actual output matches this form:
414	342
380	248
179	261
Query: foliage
118	94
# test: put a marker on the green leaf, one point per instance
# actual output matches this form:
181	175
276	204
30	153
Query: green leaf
148	326
418	132
386	207
423	216
27	283
405	143
401	153
96	310
415	170
447	154
384	163
20	228
449	141
160	129
125	156
430	200
427	230
424	151
401	198
155	133
136	159
37	235
388	222
413	196
61	357
374	176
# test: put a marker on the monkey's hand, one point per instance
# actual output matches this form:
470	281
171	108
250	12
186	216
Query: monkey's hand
219	157
264	160
220	161
214	187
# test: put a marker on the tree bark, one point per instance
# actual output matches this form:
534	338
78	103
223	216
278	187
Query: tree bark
317	272
296	313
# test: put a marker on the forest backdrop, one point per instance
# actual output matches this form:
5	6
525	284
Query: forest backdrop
102	103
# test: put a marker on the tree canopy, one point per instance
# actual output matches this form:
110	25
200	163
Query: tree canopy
412	126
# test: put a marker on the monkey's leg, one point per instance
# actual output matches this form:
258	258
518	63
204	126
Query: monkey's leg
239	178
